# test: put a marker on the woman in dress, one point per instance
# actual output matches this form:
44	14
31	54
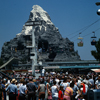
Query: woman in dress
47	88
41	90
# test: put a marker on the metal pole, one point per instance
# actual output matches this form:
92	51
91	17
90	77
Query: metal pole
34	51
34	60
33	46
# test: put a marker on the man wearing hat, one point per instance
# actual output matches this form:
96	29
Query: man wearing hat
12	88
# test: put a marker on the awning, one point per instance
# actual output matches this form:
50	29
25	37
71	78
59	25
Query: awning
96	70
80	67
90	67
30	71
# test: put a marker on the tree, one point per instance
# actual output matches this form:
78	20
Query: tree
96	53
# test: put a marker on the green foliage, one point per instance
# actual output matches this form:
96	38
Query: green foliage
96	53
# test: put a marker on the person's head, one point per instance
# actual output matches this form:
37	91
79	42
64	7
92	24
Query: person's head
22	81
30	79
59	82
4	81
13	81
34	80
81	96
16	82
42	81
61	87
48	80
0	83
81	85
90	76
87	78
72	84
54	82
65	79
99	77
68	79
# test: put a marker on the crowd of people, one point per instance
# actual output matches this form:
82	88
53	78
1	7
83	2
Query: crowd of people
48	86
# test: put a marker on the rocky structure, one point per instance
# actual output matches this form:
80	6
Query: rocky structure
51	46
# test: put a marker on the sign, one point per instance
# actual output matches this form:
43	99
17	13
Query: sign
33	23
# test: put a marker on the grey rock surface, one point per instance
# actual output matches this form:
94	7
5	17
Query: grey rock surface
47	36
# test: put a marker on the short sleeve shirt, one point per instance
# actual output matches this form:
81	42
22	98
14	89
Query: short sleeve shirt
22	89
31	87
97	83
54	91
68	91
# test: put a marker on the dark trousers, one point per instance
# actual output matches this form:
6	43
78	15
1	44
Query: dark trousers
0	96
22	97
31	96
12	96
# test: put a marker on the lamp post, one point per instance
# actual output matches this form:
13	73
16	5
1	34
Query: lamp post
34	52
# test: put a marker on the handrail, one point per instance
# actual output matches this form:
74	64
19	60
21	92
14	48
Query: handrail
6	63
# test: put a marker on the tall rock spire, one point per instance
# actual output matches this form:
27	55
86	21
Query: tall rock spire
47	36
38	13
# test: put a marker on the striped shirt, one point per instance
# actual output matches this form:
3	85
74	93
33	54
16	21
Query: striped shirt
68	91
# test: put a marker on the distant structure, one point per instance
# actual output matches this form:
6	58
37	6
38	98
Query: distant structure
51	46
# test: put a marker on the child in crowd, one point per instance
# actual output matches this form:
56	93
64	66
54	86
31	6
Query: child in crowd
49	94
60	93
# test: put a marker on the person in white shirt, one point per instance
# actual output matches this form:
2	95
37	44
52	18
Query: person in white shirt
43	71
65	83
97	83
22	90
54	90
57	80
